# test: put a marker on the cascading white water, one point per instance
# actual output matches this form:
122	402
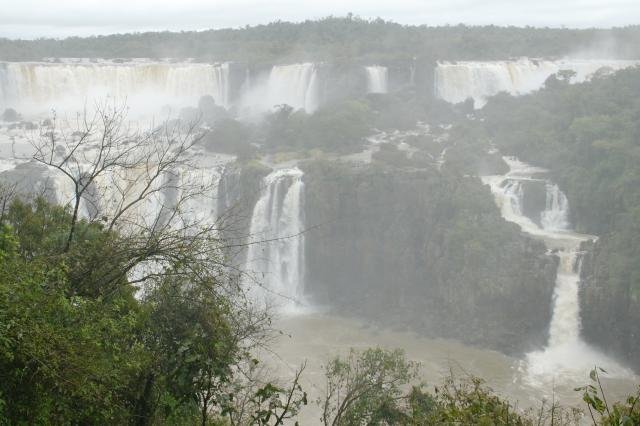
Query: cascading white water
565	322
39	86
457	81
196	189
555	216
566	357
295	85
222	86
377	79
514	194
276	253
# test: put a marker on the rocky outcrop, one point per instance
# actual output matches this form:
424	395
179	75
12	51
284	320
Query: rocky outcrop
238	191
426	251
610	314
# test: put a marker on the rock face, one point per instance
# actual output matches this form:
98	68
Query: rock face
534	200
238	191
610	315
413	248
427	251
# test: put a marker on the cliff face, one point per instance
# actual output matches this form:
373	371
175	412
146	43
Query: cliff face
610	314
425	251
413	249
238	190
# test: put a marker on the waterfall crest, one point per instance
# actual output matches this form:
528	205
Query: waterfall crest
32	85
276	253
455	82
377	79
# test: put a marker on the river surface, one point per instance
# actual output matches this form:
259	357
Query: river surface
316	337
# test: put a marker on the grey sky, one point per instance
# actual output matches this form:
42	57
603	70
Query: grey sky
39	18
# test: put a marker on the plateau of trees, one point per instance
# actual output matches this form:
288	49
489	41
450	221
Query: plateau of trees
337	39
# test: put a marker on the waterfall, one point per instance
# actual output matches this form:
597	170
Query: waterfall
565	357
458	81
276	255
565	322
555	217
113	189
222	85
197	191
377	79
514	193
41	85
295	85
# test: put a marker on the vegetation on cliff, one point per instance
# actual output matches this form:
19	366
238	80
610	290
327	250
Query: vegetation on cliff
426	250
587	136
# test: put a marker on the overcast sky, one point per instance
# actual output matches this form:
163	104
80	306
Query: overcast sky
61	18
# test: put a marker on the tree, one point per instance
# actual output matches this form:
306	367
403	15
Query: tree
144	184
72	332
365	387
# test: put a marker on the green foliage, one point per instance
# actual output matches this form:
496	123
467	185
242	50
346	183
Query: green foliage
274	404
339	39
458	270
230	136
72	352
338	127
588	136
462	402
391	155
58	352
602	412
366	387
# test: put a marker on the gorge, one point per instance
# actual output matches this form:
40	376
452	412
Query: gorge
365	200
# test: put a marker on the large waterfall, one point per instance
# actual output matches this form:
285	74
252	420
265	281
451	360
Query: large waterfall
565	357
39	86
295	85
275	257
457	81
377	79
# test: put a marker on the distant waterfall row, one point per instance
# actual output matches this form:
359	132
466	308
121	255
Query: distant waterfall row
458	81
37	87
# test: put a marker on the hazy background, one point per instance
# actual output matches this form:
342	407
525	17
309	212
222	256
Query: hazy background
41	18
